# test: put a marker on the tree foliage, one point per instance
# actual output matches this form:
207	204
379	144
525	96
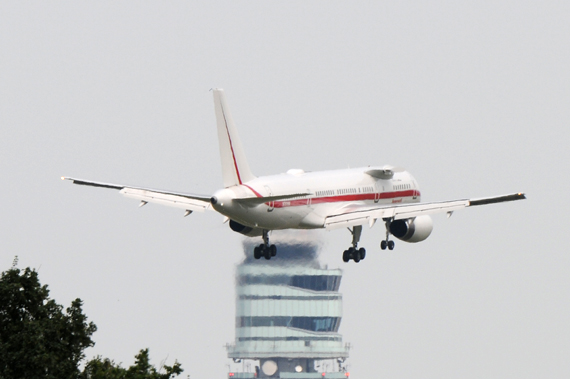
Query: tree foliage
99	368
37	338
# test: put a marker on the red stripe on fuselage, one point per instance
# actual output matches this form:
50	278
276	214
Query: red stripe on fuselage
345	198
252	190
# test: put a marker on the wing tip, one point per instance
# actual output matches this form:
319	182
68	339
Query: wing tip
498	199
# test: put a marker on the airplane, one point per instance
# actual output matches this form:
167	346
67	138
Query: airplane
346	198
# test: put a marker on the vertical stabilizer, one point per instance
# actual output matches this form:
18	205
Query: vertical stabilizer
235	169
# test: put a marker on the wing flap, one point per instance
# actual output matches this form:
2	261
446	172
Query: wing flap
415	210
370	215
172	199
361	215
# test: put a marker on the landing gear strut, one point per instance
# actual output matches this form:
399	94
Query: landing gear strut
387	243
353	252
265	249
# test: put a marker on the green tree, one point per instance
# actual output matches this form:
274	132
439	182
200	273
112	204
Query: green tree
38	339
99	368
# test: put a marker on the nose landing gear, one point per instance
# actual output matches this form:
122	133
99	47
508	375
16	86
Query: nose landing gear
265	249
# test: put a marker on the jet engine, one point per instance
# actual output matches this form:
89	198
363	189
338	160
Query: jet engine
413	229
245	230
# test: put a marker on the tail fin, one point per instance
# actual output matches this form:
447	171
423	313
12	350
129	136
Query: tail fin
235	169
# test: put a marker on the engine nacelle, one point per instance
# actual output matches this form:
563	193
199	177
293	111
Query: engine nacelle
245	230
413	229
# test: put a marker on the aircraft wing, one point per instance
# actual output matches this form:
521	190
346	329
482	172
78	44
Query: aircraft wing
366	214
185	201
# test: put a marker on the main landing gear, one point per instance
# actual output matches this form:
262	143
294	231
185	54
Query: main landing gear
265	250
353	252
387	243
357	254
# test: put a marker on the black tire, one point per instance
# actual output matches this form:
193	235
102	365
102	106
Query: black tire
273	250
356	256
362	252
267	253
346	256
383	245
257	252
391	245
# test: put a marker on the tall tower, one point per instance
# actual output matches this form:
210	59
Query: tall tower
288	313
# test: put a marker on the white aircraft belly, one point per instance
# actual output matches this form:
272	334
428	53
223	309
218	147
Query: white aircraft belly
278	218
310	216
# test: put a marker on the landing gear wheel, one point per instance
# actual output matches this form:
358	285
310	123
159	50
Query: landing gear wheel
354	254
391	245
257	252
273	250
383	245
267	253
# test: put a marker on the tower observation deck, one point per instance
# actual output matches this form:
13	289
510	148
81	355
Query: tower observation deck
288	313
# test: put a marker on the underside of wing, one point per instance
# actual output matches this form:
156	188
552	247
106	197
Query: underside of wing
189	202
366	214
171	199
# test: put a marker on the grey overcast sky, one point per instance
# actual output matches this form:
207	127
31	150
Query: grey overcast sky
471	97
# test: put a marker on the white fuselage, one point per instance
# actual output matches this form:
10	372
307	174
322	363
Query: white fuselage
328	191
335	199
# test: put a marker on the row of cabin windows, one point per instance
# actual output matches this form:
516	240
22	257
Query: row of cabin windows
325	193
345	191
402	186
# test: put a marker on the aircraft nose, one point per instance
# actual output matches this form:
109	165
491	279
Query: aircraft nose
214	200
